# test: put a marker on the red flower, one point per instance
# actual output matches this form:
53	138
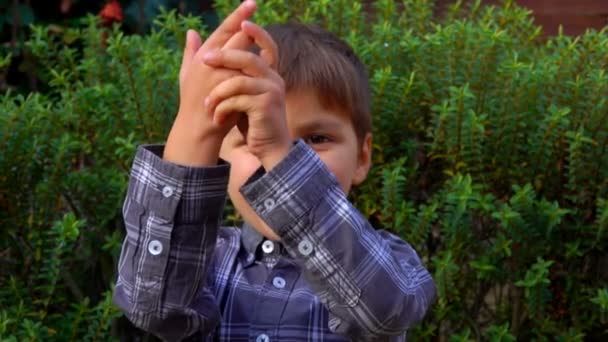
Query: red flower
111	12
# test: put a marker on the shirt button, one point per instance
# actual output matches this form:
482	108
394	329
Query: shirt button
268	246
278	282
155	247
262	338
269	203
305	247
167	191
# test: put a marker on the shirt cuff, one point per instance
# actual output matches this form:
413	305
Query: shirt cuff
290	190
175	191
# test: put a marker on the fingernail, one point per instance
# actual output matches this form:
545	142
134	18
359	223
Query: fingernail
207	101
208	56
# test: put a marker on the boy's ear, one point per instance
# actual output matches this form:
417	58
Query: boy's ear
364	162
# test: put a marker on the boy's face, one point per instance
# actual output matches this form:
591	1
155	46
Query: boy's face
330	133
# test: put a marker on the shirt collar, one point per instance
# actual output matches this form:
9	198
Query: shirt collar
251	238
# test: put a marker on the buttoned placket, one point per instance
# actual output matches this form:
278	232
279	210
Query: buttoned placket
271	252
281	277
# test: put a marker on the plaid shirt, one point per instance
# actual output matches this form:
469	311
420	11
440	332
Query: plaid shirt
332	277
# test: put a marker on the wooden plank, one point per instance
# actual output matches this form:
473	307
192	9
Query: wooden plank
572	24
574	15
567	6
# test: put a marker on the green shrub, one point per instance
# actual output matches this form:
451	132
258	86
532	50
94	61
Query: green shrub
490	158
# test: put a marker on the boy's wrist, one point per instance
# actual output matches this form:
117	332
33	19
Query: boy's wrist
189	148
273	157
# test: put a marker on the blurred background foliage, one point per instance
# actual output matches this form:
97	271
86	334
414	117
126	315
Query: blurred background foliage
489	158
134	17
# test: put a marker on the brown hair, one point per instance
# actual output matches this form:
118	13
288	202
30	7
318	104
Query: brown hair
311	57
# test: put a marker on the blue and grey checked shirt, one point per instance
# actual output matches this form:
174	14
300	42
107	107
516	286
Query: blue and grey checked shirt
332	277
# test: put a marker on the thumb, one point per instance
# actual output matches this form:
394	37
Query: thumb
268	47
193	43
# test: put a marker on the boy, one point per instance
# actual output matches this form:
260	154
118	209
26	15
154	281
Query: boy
294	130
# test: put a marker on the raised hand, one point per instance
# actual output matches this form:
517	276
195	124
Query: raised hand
195	139
258	92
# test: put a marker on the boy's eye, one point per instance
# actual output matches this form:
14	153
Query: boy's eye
315	139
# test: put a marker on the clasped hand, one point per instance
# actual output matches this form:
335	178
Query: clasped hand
223	84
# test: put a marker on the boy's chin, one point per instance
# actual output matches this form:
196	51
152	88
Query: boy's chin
251	217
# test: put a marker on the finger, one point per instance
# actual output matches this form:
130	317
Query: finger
230	25
244	61
268	48
239	41
231	109
237	85
193	43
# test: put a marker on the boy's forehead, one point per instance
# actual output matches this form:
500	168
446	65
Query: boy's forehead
322	122
308	105
317	122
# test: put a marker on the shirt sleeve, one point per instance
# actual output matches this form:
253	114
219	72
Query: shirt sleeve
373	283
171	214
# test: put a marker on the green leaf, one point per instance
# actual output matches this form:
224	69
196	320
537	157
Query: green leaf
601	299
499	333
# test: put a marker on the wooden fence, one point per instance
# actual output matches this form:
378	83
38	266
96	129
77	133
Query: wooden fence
574	15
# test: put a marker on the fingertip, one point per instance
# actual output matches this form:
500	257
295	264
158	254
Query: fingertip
193	34
248	26
254	31
210	56
193	39
250	4
248	7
